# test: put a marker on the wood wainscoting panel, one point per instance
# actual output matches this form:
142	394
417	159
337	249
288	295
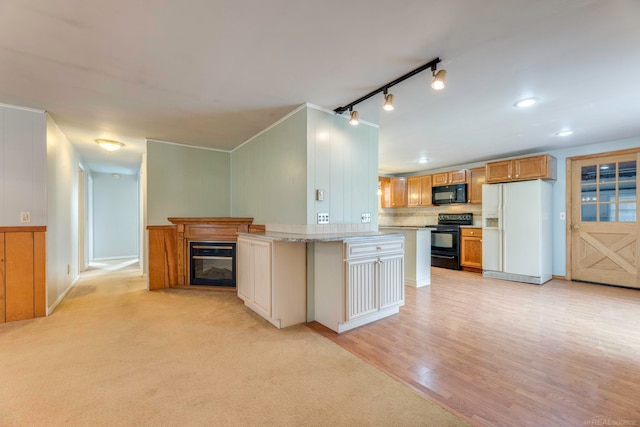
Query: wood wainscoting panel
40	273
2	281
163	271
19	276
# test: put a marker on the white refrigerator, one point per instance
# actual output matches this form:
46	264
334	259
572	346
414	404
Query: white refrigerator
516	231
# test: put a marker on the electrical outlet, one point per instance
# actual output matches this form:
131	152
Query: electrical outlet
25	216
323	218
365	217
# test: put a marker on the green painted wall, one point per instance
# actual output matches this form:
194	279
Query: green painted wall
185	181
269	174
342	161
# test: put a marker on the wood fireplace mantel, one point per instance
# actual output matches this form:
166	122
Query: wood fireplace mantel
169	245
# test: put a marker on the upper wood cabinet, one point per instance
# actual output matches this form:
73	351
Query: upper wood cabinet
384	187
398	192
419	190
534	167
447	178
476	179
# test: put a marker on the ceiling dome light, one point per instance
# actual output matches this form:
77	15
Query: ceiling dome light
438	80
355	118
388	102
527	102
565	133
109	145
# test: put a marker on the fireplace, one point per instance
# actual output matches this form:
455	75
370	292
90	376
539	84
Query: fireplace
213	263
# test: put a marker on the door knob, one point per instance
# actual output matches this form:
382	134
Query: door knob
575	227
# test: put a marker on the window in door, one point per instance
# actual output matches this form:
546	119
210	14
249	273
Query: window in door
608	192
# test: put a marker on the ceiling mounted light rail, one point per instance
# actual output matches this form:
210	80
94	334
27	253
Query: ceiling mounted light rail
438	83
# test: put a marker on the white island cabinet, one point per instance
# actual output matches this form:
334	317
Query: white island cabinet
272	279
417	255
358	281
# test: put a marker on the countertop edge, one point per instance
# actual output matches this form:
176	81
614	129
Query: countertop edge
312	238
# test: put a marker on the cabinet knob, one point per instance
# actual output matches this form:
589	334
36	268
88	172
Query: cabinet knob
517	175
378	248
508	176
471	232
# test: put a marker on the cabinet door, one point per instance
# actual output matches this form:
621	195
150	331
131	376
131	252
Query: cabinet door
499	171
458	177
398	192
244	269
391	280
413	190
384	186
425	190
361	296
262	277
471	248
531	167
476	179
440	179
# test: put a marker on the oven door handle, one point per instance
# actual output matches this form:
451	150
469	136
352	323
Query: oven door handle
211	247
442	256
210	257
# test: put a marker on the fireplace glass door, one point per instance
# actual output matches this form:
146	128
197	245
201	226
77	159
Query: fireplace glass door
213	263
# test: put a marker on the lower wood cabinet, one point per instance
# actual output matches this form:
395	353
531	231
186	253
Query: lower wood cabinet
358	282
272	279
471	248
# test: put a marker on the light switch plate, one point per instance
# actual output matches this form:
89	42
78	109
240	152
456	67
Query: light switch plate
365	218
25	216
319	194
323	218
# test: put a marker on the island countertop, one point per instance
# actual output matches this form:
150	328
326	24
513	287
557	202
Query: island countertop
324	237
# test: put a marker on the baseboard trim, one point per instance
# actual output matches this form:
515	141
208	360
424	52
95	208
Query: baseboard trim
64	294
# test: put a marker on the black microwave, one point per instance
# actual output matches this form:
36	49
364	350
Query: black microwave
447	194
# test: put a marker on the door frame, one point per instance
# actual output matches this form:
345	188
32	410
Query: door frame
569	193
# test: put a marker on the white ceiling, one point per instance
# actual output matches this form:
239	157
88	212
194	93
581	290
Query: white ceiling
214	73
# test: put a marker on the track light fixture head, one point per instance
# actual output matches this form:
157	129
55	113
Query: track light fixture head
355	118
438	79
388	101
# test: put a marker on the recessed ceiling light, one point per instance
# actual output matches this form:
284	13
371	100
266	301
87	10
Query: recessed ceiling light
423	160
527	102
565	133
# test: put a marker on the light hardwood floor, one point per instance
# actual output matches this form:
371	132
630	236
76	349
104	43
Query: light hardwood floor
512	354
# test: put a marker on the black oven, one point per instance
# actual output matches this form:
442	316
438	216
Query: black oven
445	247
213	263
445	239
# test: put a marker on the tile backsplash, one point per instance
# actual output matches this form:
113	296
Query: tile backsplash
419	217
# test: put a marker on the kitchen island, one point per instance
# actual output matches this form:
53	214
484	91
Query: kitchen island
417	255
340	280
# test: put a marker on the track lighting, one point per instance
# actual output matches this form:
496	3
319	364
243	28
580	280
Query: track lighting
437	84
388	101
355	118
438	79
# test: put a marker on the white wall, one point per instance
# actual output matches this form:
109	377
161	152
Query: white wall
115	216
23	166
62	212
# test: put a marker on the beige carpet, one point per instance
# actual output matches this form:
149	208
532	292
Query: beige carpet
114	354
